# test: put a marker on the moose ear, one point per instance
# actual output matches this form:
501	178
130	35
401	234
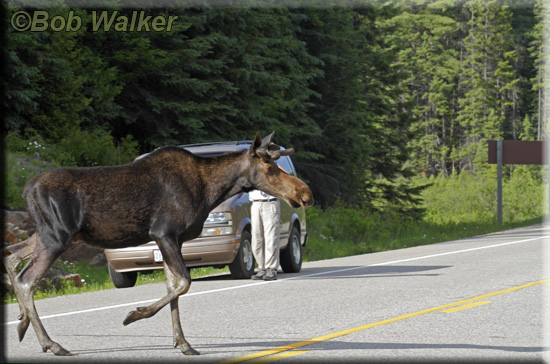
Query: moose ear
260	146
267	140
255	145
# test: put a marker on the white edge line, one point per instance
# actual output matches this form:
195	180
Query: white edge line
286	279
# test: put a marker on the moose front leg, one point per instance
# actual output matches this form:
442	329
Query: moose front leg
178	281
179	338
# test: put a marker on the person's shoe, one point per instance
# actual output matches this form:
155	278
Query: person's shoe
270	275
259	276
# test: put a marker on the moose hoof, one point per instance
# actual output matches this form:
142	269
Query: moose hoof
131	317
138	314
23	326
58	350
188	350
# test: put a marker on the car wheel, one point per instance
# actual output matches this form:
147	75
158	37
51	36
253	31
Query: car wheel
291	257
243	265
122	280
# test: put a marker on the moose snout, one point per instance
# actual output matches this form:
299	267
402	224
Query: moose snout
306	197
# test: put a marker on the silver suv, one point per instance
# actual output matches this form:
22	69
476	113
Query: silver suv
225	238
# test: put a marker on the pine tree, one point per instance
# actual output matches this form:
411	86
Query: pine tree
537	50
424	37
488	80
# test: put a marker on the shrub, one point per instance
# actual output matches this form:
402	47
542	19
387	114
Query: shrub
523	194
467	198
96	148
33	155
79	148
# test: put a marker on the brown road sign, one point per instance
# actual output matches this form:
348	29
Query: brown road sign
517	152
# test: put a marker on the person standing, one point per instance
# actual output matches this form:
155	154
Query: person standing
266	229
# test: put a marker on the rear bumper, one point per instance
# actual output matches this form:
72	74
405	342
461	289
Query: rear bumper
198	252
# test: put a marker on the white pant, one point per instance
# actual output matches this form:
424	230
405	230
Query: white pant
266	230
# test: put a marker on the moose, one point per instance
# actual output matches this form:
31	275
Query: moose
165	196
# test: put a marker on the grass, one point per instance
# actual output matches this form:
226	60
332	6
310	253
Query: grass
321	246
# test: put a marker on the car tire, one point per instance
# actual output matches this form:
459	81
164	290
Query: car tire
243	265
291	256
122	280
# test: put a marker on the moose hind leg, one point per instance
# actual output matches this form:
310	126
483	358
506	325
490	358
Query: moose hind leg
14	254
12	257
26	282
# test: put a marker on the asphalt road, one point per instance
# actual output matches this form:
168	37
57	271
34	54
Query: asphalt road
479	298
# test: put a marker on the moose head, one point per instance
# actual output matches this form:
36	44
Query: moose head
268	176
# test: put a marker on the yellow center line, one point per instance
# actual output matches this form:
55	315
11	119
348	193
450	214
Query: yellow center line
279	357
459	308
300	344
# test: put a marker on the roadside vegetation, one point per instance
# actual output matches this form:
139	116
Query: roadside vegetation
453	207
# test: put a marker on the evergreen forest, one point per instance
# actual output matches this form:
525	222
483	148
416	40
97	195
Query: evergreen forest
379	101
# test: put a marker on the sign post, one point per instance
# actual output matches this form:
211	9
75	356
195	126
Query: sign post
512	152
499	182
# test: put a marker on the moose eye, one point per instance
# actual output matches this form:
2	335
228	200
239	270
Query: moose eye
269	170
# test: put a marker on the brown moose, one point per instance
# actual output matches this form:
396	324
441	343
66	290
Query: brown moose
165	196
